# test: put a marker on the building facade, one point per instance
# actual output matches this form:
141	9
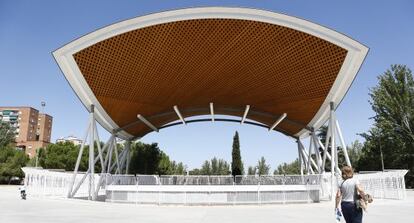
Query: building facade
73	139
33	129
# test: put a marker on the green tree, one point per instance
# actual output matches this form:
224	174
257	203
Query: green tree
354	153
205	168
251	170
393	132
178	168
11	162
321	133
223	167
164	165
63	155
263	168
7	134
212	167
195	172
292	168
150	159
236	163
145	158
219	167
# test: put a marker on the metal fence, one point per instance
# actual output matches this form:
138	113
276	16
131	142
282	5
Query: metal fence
212	189
385	185
41	182
196	180
213	180
207	196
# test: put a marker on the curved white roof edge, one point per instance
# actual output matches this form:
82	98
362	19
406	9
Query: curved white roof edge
353	61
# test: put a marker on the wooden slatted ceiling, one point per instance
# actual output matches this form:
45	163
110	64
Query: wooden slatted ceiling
229	62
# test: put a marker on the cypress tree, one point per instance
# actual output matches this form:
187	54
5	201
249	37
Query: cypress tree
236	163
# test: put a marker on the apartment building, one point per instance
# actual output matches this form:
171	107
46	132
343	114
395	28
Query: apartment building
33	129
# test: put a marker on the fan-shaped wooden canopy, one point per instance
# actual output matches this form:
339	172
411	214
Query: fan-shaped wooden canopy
202	60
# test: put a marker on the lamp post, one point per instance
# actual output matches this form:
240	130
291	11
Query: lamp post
382	156
37	157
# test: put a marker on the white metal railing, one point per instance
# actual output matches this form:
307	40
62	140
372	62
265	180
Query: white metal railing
41	182
389	184
195	180
382	185
212	194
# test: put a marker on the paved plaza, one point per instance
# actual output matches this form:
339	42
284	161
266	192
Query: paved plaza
46	210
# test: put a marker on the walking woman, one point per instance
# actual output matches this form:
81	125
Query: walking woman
347	195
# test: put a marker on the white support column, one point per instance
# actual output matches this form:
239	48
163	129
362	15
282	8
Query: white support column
103	163
344	148
75	171
310	154
116	158
305	159
300	158
278	121
212	111
334	158
327	154
246	111
110	151
108	157
85	175
325	151
334	142
128	144
146	122
91	190
177	111
316	146
122	158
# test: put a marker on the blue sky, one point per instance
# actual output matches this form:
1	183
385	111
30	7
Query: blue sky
31	30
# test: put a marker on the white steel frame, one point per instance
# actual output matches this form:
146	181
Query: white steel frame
246	111
179	114
121	160
278	121
306	161
146	122
212	111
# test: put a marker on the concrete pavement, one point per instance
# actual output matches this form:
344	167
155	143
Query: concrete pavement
45	210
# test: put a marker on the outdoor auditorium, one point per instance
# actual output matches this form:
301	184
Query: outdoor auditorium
177	67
